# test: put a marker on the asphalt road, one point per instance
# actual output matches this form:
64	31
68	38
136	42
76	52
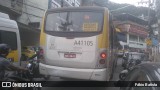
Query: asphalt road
115	78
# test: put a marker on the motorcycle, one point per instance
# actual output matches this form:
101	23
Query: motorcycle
130	65
29	75
33	66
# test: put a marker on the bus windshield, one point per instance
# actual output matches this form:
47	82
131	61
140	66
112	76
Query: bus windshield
74	21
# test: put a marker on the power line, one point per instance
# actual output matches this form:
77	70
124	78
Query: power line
24	11
32	14
34	3
149	8
121	8
31	6
28	13
27	5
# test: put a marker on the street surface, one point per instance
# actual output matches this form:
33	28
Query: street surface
115	78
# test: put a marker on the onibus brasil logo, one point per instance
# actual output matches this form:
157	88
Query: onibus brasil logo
15	84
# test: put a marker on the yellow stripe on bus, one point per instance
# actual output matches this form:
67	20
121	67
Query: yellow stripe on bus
42	35
103	39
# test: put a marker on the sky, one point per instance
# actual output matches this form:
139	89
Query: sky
133	2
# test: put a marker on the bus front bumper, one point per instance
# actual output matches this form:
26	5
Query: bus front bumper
85	74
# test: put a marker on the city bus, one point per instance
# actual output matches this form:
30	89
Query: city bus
78	43
9	34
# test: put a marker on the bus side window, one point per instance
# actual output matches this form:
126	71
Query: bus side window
9	38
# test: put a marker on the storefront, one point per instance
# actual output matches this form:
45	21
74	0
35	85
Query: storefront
134	35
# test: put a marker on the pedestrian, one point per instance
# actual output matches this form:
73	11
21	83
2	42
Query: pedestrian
5	64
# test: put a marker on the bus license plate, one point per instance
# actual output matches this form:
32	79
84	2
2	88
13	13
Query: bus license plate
70	55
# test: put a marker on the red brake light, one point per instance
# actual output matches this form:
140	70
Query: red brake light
103	55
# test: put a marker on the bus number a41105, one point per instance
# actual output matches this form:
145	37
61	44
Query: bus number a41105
83	43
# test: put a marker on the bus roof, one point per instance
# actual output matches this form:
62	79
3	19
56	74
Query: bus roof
5	21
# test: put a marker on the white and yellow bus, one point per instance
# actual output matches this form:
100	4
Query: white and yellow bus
9	34
78	43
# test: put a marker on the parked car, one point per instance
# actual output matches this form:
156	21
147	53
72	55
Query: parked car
143	72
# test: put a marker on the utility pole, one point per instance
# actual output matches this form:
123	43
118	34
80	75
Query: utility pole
62	2
158	14
150	3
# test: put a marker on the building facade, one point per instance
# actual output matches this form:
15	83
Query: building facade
131	34
12	7
30	21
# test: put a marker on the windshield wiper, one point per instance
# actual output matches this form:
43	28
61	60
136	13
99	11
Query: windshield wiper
64	25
